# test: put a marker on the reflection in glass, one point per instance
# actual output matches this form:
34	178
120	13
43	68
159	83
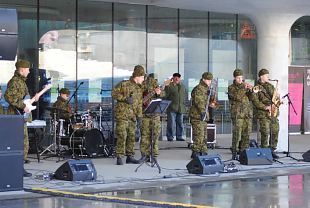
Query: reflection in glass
94	48
162	40
193	46
129	39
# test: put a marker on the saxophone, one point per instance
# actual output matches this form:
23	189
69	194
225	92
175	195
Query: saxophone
276	102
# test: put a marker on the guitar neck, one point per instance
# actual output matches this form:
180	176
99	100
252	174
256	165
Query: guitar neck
32	100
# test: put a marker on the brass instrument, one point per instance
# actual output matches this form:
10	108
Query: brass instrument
276	102
213	103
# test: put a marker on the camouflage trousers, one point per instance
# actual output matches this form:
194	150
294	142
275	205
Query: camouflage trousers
199	129
26	142
242	128
269	130
148	125
125	135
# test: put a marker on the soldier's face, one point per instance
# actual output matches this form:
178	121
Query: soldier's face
64	96
239	79
139	80
207	82
264	78
24	71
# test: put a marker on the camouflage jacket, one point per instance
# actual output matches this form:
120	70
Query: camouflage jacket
199	100
123	90
177	94
65	112
263	98
1	110
240	101
16	91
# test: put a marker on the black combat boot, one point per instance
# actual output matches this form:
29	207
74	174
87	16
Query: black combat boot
195	154
132	160
119	161
26	174
235	156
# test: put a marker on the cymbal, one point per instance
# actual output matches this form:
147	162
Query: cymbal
56	109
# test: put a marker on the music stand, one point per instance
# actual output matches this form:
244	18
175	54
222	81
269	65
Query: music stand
155	107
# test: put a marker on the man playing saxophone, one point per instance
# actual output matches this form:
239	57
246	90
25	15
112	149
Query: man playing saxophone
267	118
241	109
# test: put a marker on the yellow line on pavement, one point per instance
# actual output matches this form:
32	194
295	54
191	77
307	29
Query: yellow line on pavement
116	199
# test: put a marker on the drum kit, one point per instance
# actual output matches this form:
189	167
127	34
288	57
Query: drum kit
82	133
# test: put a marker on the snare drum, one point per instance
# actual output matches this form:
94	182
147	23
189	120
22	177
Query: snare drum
90	141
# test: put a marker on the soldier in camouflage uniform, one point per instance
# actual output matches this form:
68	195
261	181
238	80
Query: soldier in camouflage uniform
269	126
1	107
198	113
62	106
16	91
241	110
150	87
128	108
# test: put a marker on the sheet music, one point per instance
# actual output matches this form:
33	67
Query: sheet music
36	123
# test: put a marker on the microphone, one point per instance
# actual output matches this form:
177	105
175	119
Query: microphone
48	79
285	95
273	80
81	83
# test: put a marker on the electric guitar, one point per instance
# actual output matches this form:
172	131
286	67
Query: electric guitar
28	102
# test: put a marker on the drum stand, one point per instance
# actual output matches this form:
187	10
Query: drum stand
55	145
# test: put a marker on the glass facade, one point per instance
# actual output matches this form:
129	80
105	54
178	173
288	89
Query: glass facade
92	45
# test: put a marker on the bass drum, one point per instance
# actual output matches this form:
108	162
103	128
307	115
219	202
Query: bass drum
89	141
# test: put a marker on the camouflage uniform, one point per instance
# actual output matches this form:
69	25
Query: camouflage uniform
268	126
150	122
65	112
16	91
199	100
126	115
241	111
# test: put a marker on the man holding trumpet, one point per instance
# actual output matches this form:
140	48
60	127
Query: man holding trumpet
240	96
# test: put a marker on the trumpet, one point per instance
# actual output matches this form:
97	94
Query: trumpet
253	89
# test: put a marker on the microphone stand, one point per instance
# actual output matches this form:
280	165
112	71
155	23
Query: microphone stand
290	104
75	93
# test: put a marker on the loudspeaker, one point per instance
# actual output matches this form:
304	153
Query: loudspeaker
11	152
306	156
8	34
256	156
206	164
76	170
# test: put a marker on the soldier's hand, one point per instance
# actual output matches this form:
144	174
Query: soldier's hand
203	116
27	110
129	100
268	108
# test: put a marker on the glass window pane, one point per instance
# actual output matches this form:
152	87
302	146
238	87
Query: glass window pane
94	47
193	46
162	49
247	49
57	54
129	39
222	45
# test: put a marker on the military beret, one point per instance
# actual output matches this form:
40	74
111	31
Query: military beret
176	75
263	72
153	75
22	64
207	75
138	71
64	91
238	72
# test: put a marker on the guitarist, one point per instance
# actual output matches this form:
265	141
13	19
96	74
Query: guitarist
151	91
16	91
